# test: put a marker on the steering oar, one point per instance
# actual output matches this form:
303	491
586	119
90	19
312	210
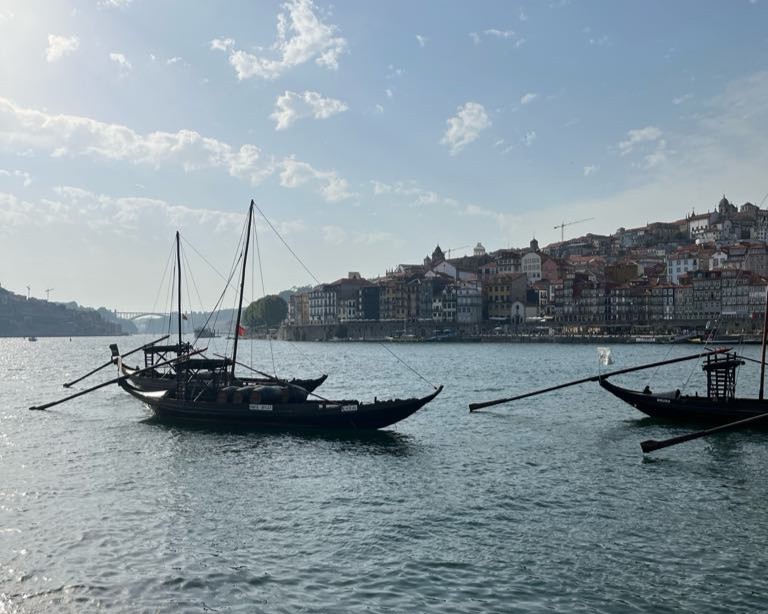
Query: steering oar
122	378
112	361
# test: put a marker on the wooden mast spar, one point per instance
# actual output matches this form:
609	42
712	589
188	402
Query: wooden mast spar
242	288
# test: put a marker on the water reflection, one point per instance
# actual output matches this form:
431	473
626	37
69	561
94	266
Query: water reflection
379	442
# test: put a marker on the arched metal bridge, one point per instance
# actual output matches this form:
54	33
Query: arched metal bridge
135	315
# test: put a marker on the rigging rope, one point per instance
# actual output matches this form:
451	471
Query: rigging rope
264	294
170	296
299	260
213	268
409	366
266	219
162	279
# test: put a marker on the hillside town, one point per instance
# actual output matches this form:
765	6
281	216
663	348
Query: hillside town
665	276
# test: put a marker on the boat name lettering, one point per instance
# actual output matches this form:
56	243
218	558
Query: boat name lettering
345	408
259	407
663	400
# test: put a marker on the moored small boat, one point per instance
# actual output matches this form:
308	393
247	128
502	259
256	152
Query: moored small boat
720	405
166	380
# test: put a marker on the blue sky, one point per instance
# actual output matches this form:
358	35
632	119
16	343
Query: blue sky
367	132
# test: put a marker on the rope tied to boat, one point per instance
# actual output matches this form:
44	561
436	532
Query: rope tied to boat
409	366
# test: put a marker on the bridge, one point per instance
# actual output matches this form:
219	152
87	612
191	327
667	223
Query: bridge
135	315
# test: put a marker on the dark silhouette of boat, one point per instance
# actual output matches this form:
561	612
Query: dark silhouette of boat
237	407
720	405
207	390
154	380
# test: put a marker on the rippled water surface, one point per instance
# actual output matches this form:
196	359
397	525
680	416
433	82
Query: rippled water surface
542	506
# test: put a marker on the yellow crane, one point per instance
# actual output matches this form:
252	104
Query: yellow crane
564	224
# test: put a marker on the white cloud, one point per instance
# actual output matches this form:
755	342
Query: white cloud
77	207
638	136
295	173
222	44
301	37
422	40
590	170
292	106
23	175
6	15
656	157
119	59
394	72
173	60
115	4
75	136
470	120
649	140
523	16
681	99
333	234
528	98
499	34
59	46
529	138
414	194
379	109
388	92
336	235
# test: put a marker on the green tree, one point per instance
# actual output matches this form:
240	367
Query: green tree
267	311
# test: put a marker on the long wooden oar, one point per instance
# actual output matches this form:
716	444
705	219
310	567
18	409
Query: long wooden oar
112	361
122	378
594	378
651	444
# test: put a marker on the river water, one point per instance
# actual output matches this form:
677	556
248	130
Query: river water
546	505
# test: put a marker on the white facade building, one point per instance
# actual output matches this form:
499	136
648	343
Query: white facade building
531	265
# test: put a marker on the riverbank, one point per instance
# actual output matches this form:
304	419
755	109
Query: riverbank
416	332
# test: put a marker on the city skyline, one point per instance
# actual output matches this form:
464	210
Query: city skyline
362	131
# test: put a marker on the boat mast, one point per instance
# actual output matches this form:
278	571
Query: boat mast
242	287
762	353
178	264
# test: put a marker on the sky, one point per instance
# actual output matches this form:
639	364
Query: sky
367	132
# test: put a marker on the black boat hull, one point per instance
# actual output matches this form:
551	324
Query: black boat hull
673	406
345	414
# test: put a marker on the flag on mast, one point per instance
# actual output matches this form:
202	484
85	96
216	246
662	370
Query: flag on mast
240	331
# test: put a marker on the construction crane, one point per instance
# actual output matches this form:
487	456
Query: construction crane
48	293
564	224
454	249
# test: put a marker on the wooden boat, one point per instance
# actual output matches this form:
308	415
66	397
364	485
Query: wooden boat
720	405
207	390
169	406
166	380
